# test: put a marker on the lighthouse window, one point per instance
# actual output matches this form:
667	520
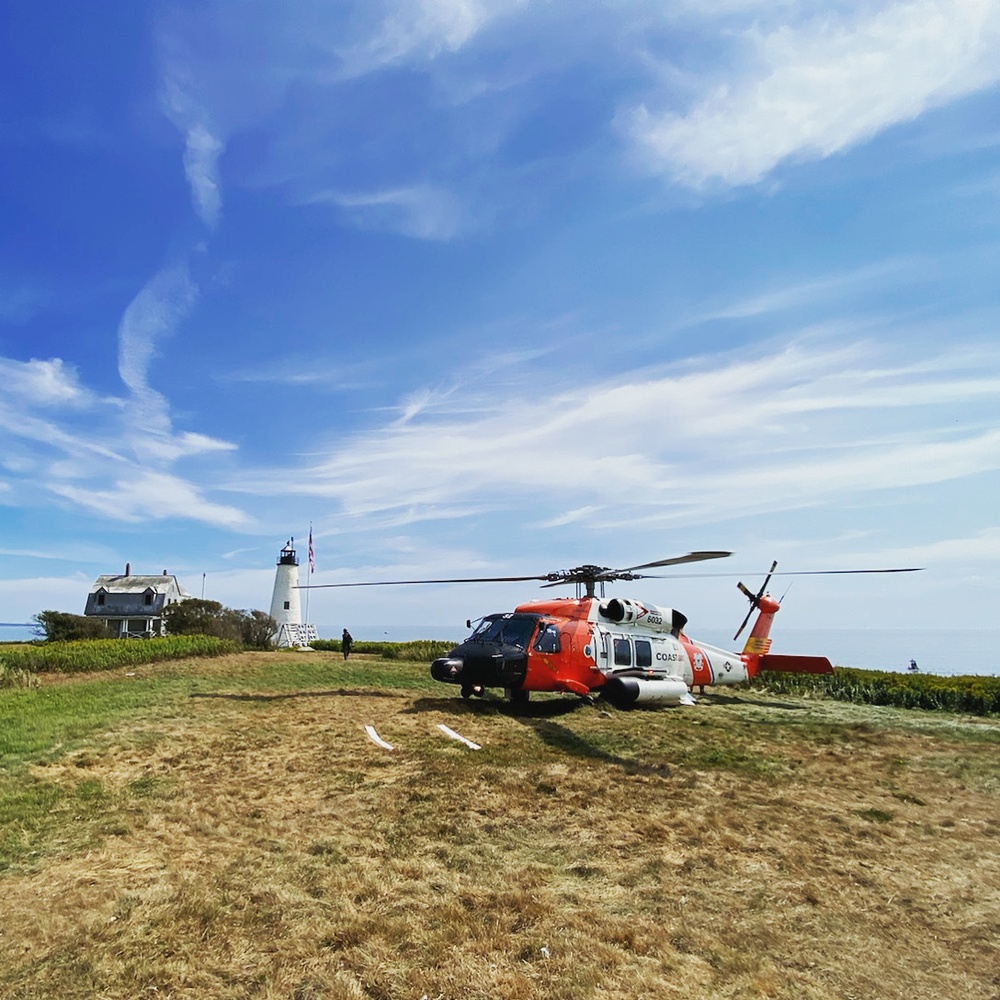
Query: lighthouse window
623	653
288	604
643	653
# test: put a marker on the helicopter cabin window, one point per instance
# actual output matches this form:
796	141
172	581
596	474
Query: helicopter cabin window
547	640
623	653
643	653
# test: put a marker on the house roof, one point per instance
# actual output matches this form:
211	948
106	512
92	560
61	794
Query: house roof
135	584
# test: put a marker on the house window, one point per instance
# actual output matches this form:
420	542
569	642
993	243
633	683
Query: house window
147	598
100	598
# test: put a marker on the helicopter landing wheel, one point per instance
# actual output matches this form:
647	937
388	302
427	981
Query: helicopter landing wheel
517	696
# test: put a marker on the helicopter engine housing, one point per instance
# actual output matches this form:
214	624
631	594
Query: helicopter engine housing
624	611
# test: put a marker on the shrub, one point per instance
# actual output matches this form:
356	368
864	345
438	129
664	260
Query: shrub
974	695
257	629
61	626
109	654
197	616
12	677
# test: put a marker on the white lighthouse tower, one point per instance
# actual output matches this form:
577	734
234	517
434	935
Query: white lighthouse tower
285	605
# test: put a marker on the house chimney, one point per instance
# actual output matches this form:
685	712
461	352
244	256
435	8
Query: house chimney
128	569
164	572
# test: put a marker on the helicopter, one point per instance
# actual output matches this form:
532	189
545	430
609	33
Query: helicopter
628	652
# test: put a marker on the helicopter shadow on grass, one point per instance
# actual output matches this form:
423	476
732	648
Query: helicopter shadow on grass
334	693
495	706
538	716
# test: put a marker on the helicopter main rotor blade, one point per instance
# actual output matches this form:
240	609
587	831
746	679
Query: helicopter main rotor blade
678	560
788	572
402	583
582	573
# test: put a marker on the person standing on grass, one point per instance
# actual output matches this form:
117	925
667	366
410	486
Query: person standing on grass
346	641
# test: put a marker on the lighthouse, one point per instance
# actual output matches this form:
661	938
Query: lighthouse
285	607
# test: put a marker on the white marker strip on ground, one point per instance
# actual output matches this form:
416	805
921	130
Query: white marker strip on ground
455	736
376	739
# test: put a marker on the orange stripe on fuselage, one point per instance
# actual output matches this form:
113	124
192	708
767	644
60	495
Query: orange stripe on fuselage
574	667
701	670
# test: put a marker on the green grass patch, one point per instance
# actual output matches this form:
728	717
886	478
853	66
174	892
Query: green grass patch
417	651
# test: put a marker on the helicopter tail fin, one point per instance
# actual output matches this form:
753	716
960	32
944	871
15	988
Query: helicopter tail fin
759	641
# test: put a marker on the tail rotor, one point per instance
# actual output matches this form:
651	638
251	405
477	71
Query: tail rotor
754	598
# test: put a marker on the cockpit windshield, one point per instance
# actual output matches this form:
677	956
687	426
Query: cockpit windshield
510	629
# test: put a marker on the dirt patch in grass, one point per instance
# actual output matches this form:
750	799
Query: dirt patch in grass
259	844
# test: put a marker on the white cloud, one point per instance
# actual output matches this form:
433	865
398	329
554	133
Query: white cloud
152	496
201	167
47	450
823	86
423	211
781	431
51	383
151	316
407	29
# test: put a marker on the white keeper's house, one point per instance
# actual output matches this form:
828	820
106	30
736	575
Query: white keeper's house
131	606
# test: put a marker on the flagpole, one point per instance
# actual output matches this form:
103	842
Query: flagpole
311	568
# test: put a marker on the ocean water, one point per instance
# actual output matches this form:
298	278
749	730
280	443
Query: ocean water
937	651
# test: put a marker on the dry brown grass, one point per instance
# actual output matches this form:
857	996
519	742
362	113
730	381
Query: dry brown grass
259	845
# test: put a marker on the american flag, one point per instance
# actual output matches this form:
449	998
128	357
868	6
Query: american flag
312	561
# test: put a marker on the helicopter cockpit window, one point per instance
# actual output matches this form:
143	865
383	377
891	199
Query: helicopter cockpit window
510	630
623	653
547	640
643	653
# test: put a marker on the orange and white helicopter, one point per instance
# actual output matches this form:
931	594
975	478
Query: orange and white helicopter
628	652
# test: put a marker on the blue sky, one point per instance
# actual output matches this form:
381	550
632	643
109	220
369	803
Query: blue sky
497	287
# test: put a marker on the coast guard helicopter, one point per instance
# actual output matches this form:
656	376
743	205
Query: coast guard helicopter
628	652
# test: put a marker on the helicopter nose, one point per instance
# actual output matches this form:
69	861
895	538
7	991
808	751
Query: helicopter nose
447	669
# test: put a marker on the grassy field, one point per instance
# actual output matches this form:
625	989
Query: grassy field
224	828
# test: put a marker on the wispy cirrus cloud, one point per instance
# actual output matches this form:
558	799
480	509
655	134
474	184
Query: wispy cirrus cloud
62	439
150	317
781	430
403	30
812	89
204	143
423	211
